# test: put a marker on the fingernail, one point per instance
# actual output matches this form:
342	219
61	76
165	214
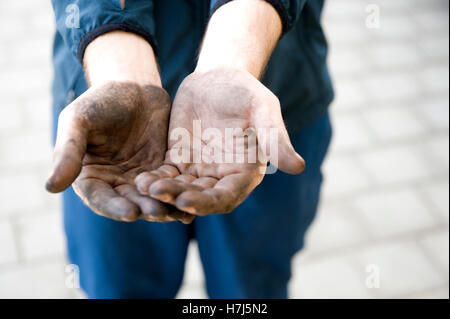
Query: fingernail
49	185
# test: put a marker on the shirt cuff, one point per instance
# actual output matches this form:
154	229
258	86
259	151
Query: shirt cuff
276	4
105	28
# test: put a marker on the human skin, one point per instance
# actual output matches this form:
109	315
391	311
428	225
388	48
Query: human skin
114	131
224	92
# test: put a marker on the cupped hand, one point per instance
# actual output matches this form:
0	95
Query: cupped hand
210	173
105	138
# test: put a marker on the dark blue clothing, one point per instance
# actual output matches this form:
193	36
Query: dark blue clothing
297	71
248	252
245	254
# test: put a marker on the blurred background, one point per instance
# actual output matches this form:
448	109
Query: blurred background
382	229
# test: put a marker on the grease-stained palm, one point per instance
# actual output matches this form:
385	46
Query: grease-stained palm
105	138
220	99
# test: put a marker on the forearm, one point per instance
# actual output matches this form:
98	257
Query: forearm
122	57
241	34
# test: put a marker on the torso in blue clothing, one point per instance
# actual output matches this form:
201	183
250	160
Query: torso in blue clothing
297	72
246	254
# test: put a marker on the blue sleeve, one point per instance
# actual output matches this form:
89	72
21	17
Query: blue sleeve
289	10
81	21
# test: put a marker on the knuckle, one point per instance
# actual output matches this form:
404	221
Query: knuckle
67	114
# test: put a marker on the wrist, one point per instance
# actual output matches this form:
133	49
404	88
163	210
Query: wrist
121	57
245	44
227	60
223	72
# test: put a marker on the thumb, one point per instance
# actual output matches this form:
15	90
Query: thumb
70	147
274	139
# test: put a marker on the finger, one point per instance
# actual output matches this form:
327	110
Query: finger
185	178
166	190
183	217
69	150
205	182
289	161
104	201
277	146
224	197
168	171
202	203
151	209
144	180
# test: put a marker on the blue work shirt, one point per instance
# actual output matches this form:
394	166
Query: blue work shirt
297	71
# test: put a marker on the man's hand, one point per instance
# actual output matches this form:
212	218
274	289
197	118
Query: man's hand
114	131
224	92
221	99
105	138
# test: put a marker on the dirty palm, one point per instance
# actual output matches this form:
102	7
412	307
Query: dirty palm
208	187
104	141
111	143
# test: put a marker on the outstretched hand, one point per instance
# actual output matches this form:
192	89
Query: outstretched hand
205	173
105	138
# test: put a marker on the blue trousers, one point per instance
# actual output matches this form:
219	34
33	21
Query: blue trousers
245	254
